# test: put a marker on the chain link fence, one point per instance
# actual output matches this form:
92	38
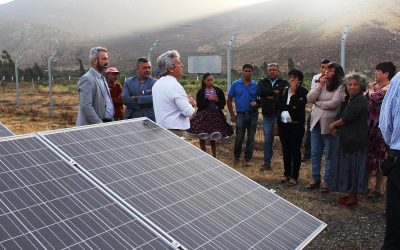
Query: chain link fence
34	95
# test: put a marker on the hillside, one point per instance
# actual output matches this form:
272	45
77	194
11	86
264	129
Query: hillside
37	43
272	31
306	31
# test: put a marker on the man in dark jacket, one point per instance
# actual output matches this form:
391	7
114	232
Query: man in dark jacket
267	90
137	94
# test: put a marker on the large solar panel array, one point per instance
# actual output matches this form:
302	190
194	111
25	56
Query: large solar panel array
4	131
197	200
45	203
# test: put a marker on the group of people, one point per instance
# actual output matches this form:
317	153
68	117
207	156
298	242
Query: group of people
346	122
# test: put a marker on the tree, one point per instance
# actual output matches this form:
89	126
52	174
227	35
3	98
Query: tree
257	71
81	68
290	64
38	71
264	66
28	73
7	66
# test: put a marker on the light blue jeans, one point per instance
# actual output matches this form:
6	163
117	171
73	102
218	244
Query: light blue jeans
268	129
319	142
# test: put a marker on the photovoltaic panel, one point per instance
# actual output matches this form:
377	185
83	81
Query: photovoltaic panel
47	204
196	199
4	131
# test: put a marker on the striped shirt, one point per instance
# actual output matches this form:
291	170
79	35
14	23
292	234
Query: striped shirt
389	119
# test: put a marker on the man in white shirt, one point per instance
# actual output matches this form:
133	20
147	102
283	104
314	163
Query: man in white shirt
389	124
323	66
172	107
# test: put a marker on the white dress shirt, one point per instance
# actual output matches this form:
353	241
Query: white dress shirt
314	79
171	104
389	118
285	116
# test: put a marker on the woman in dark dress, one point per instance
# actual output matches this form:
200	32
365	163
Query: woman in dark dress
209	122
348	173
291	118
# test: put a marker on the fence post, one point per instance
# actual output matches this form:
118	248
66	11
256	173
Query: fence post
343	45
69	84
229	69
150	53
49	61
17	79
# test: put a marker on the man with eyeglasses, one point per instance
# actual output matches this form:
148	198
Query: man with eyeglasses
268	89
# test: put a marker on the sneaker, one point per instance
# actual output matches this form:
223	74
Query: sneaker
215	136
203	136
266	167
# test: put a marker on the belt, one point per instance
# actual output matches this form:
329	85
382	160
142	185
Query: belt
107	120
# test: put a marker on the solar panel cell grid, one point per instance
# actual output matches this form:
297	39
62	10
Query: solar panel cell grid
4	131
46	204
193	197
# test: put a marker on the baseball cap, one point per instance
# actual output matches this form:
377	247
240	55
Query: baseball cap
112	70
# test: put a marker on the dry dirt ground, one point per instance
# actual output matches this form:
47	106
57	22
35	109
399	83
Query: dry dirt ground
360	227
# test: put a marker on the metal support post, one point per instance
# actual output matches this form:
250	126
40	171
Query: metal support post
49	61
229	69
150	53
343	46
17	79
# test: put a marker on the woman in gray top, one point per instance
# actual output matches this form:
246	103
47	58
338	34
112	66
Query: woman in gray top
326	95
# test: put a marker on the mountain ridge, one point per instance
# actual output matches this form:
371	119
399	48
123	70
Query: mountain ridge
285	25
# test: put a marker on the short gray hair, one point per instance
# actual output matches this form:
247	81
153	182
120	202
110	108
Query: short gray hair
94	53
166	61
361	79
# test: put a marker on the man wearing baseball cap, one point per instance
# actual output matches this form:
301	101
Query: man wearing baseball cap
115	92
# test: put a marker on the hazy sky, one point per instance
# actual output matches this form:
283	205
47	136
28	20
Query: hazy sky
4	1
236	2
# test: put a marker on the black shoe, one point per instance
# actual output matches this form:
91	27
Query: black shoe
266	167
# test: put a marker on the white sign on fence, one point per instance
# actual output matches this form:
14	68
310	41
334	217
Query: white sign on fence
204	64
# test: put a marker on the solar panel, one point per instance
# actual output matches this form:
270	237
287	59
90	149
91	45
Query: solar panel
193	197
4	131
45	203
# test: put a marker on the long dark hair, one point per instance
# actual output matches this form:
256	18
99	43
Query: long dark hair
337	77
203	84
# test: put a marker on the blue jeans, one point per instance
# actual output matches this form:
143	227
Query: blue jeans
319	142
268	129
245	121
